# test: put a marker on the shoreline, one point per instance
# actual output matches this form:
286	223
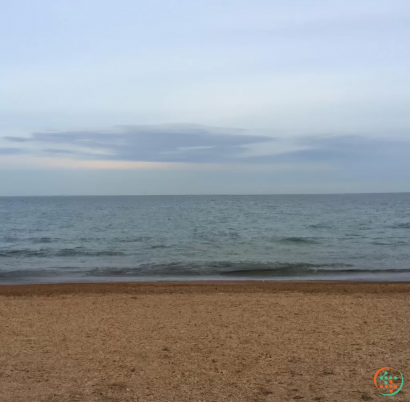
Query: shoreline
204	287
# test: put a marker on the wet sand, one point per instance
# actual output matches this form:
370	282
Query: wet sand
243	341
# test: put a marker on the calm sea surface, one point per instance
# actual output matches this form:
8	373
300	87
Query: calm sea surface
149	238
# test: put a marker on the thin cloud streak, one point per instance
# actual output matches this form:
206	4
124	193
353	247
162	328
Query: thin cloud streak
11	151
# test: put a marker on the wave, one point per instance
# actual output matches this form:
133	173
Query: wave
138	239
42	240
24	253
288	269
29	273
222	268
68	252
396	243
401	226
198	270
10	239
286	272
320	226
79	252
298	240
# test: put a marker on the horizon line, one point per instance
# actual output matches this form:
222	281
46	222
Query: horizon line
202	195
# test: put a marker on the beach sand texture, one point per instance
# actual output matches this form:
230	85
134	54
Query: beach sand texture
245	341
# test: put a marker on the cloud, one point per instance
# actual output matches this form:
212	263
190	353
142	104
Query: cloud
183	146
16	139
162	143
58	151
341	150
11	151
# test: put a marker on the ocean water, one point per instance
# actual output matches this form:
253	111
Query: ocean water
153	238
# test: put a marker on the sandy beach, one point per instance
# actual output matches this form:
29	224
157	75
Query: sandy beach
230	341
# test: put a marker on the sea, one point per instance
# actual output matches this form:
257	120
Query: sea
355	237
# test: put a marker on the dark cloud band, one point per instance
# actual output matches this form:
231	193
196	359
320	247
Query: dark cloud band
194	144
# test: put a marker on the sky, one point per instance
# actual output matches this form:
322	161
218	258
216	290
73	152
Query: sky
104	97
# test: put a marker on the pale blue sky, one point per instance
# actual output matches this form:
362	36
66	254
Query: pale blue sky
181	97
